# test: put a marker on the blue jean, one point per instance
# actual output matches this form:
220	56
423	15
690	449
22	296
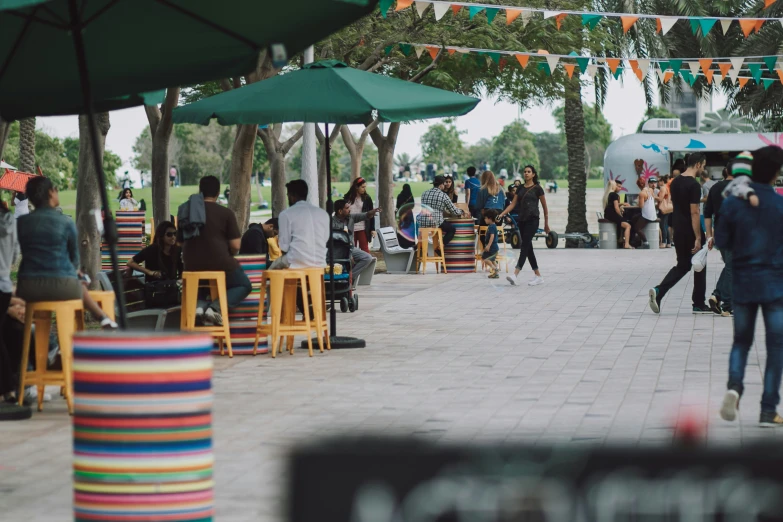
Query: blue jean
237	288
744	326
723	286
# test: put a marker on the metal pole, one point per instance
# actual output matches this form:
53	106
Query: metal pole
329	210
309	157
109	227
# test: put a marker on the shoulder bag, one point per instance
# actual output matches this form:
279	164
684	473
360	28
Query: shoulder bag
666	206
161	294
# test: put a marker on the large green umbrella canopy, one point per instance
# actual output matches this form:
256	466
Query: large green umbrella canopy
326	91
136	46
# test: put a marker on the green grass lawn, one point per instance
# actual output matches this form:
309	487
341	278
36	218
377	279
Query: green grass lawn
179	195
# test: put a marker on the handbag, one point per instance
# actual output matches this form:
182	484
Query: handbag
161	294
666	206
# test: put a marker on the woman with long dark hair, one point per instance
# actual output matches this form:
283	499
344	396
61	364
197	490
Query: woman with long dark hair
361	202
526	200
405	197
127	202
450	190
162	259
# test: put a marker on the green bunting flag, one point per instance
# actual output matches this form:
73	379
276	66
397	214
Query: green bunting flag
688	76
491	13
755	71
385	5
474	10
388	49
675	65
543	66
767	82
706	25
770	62
406	49
694	25
618	72
590	20
495	57
583	63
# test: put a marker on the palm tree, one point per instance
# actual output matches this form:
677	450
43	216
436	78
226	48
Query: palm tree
725	122
27	145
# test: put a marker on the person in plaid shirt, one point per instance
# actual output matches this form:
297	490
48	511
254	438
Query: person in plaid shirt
433	203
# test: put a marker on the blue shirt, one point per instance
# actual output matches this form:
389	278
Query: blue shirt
474	186
755	237
49	245
492	230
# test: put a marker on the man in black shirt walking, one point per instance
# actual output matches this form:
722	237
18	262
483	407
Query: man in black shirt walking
686	221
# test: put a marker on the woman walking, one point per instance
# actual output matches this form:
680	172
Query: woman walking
491	193
526	202
613	210
361	202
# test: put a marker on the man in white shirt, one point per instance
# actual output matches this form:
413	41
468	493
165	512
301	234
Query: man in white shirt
304	231
21	205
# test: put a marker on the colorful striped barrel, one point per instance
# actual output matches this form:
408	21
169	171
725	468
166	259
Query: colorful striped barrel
243	318
142	427
460	252
130	233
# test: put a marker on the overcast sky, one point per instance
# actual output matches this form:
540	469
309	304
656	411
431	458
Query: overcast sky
624	109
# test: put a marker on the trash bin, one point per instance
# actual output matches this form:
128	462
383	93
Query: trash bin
652	231
607	235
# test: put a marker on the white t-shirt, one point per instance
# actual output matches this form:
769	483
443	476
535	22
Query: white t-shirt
22	208
356	208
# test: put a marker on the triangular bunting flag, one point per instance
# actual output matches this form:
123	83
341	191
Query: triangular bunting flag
440	10
559	20
463	50
403	4
706	25
474	10
688	77
767	82
667	23
705	63
725	24
694	25
780	75
590	20
717	79
736	63
618	73
639	74
724	67
613	64
384	6
542	66
628	22
663	65
770	62
675	65
657	25
406	49
591	71
759	24
694	67
583	63
747	25
552	61
491	14
421	7
644	65
433	51
668	75
550	14
451	51
708	73
522	59
768	3
512	14
455	9
660	74
569	67
634	65
495	57
418	50
742	81
526	16
733	74
388	49
755	71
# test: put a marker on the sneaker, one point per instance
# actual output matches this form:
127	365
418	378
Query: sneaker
212	317
199	317
655	301
770	419
728	410
494	275
727	312
108	324
538	280
31	395
512	280
714	304
701	309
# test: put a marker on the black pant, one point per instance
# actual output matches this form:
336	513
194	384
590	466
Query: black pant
683	244
527	229
665	239
6	366
448	232
638	224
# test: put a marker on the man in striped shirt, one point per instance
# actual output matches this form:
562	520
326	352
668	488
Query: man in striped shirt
433	203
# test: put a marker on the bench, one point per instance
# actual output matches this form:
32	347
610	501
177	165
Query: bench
398	260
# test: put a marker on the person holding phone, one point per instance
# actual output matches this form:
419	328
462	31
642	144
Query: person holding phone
163	259
344	220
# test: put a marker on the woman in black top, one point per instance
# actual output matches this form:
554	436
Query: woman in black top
526	199
361	202
613	210
404	197
449	189
163	259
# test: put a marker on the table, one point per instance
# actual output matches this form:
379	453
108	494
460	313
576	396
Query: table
461	252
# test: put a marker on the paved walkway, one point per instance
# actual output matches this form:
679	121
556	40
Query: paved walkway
579	360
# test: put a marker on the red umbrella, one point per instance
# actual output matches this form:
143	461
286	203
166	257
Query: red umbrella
16	181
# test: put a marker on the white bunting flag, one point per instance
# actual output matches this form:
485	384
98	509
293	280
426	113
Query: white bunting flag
660	74
716	79
780	20
463	50
694	66
733	75
550	14
525	17
725	24
419	50
440	10
644	66
592	70
736	63
421	7
552	61
667	23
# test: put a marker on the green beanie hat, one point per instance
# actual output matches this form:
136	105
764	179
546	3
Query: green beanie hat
741	166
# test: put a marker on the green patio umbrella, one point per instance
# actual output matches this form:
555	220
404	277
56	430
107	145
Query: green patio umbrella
76	56
327	92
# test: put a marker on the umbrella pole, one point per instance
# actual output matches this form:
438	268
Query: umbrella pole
109	226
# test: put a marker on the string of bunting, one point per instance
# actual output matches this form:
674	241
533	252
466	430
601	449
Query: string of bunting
688	68
590	19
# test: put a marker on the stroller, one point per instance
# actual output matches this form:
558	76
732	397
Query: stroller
344	290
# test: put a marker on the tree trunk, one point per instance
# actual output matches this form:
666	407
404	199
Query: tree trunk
241	171
88	197
322	192
277	169
355	149
575	144
27	145
161	127
5	129
386	145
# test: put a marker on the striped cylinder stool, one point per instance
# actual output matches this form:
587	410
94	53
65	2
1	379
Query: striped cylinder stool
242	319
130	234
460	252
142	427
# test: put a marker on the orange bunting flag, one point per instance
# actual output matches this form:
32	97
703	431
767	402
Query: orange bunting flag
724	68
628	22
747	24
403	4
569	67
634	65
780	75
667	76
742	81
522	59
455	9
433	51
768	3
512	14
705	63
658	26
639	74
759	23
559	19
708	74
452	51
613	64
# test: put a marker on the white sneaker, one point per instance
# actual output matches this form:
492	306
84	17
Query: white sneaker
512	280
199	317
213	318
31	393
728	410
538	280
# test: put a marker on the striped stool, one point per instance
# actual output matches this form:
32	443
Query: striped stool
459	253
217	288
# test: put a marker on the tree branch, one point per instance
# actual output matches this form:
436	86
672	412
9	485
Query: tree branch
383	61
153	117
169	104
266	137
291	141
319	135
350	143
424	72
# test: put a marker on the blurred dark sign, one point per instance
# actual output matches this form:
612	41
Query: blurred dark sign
372	480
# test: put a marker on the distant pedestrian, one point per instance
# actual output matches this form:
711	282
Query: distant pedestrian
472	188
664	211
490	194
361	203
720	300
648	213
755	238
450	189
613	210
127	203
686	195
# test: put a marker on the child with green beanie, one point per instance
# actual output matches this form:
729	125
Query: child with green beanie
740	186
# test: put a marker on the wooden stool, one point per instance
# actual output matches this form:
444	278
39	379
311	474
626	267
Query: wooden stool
282	308
70	318
317	286
423	255
105	300
217	287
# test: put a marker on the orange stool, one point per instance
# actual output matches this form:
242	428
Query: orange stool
70	318
104	299
423	254
217	286
317	287
283	285
502	253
